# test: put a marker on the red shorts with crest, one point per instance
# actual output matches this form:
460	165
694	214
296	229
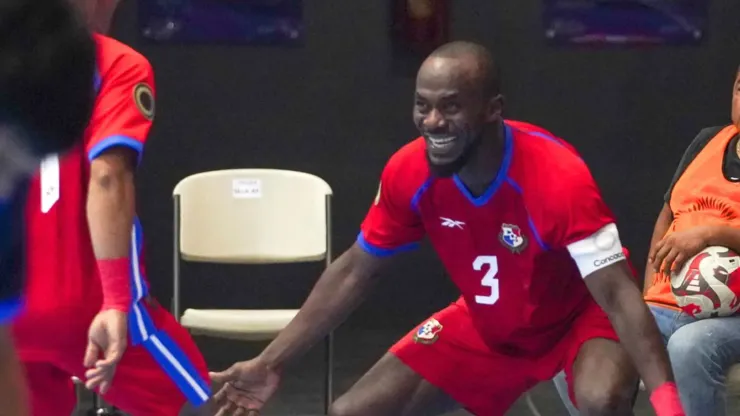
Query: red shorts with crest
448	352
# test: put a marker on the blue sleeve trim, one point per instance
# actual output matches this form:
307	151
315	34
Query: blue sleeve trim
384	252
97	81
536	233
113	141
9	309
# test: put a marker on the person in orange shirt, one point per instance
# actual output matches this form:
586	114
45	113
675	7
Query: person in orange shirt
701	209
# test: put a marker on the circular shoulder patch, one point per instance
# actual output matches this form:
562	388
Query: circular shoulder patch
144	99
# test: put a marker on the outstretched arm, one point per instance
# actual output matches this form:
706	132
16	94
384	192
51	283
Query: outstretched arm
615	291
339	291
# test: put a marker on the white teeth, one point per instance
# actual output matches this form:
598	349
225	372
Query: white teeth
439	141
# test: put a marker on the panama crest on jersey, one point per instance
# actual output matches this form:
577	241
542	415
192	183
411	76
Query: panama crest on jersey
428	332
511	237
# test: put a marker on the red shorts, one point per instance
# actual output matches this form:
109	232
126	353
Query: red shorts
154	378
484	381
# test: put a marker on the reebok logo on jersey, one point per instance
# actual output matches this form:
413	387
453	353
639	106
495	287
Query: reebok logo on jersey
450	223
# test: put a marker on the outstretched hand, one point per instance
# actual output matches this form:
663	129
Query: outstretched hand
246	386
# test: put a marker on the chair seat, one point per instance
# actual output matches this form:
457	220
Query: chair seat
241	324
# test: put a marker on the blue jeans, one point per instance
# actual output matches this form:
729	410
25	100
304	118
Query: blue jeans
701	352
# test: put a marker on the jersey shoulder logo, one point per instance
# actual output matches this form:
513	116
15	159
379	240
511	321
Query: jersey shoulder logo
144	100
512	238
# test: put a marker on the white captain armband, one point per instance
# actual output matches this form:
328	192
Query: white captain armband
600	250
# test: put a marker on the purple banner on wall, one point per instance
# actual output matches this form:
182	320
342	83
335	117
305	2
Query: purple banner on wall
624	22
257	22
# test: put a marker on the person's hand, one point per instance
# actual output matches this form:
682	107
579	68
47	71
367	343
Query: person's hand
670	253
106	343
246	386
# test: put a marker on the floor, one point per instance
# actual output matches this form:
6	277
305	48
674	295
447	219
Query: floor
355	351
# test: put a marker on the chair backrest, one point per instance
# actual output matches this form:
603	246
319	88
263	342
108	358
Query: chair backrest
253	216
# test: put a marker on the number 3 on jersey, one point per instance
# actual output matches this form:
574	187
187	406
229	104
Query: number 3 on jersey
489	279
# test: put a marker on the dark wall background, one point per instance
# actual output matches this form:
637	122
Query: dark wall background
631	113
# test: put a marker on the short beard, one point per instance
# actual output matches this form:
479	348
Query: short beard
446	170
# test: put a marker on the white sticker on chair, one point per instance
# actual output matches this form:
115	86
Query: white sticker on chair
246	188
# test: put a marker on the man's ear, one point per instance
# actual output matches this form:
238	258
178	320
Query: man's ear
495	108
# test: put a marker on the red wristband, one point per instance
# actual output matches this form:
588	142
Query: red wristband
666	401
116	284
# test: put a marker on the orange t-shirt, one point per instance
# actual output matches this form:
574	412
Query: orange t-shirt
702	195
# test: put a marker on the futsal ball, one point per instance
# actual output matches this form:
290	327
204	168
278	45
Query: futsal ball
708	284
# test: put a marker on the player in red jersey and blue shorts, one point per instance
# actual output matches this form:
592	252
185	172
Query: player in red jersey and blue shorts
88	310
519	224
46	70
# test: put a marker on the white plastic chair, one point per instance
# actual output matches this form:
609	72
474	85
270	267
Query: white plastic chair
250	216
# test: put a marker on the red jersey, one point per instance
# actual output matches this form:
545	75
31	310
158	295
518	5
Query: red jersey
63	283
62	269
519	251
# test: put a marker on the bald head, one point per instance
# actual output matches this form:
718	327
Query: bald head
467	62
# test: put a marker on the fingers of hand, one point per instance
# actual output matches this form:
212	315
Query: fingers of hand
232	409
101	381
678	262
100	375
660	255
220	396
246	412
104	386
92	353
228	409
113	355
655	249
223	376
667	265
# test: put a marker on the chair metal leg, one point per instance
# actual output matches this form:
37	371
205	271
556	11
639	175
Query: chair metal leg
101	409
531	405
329	380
